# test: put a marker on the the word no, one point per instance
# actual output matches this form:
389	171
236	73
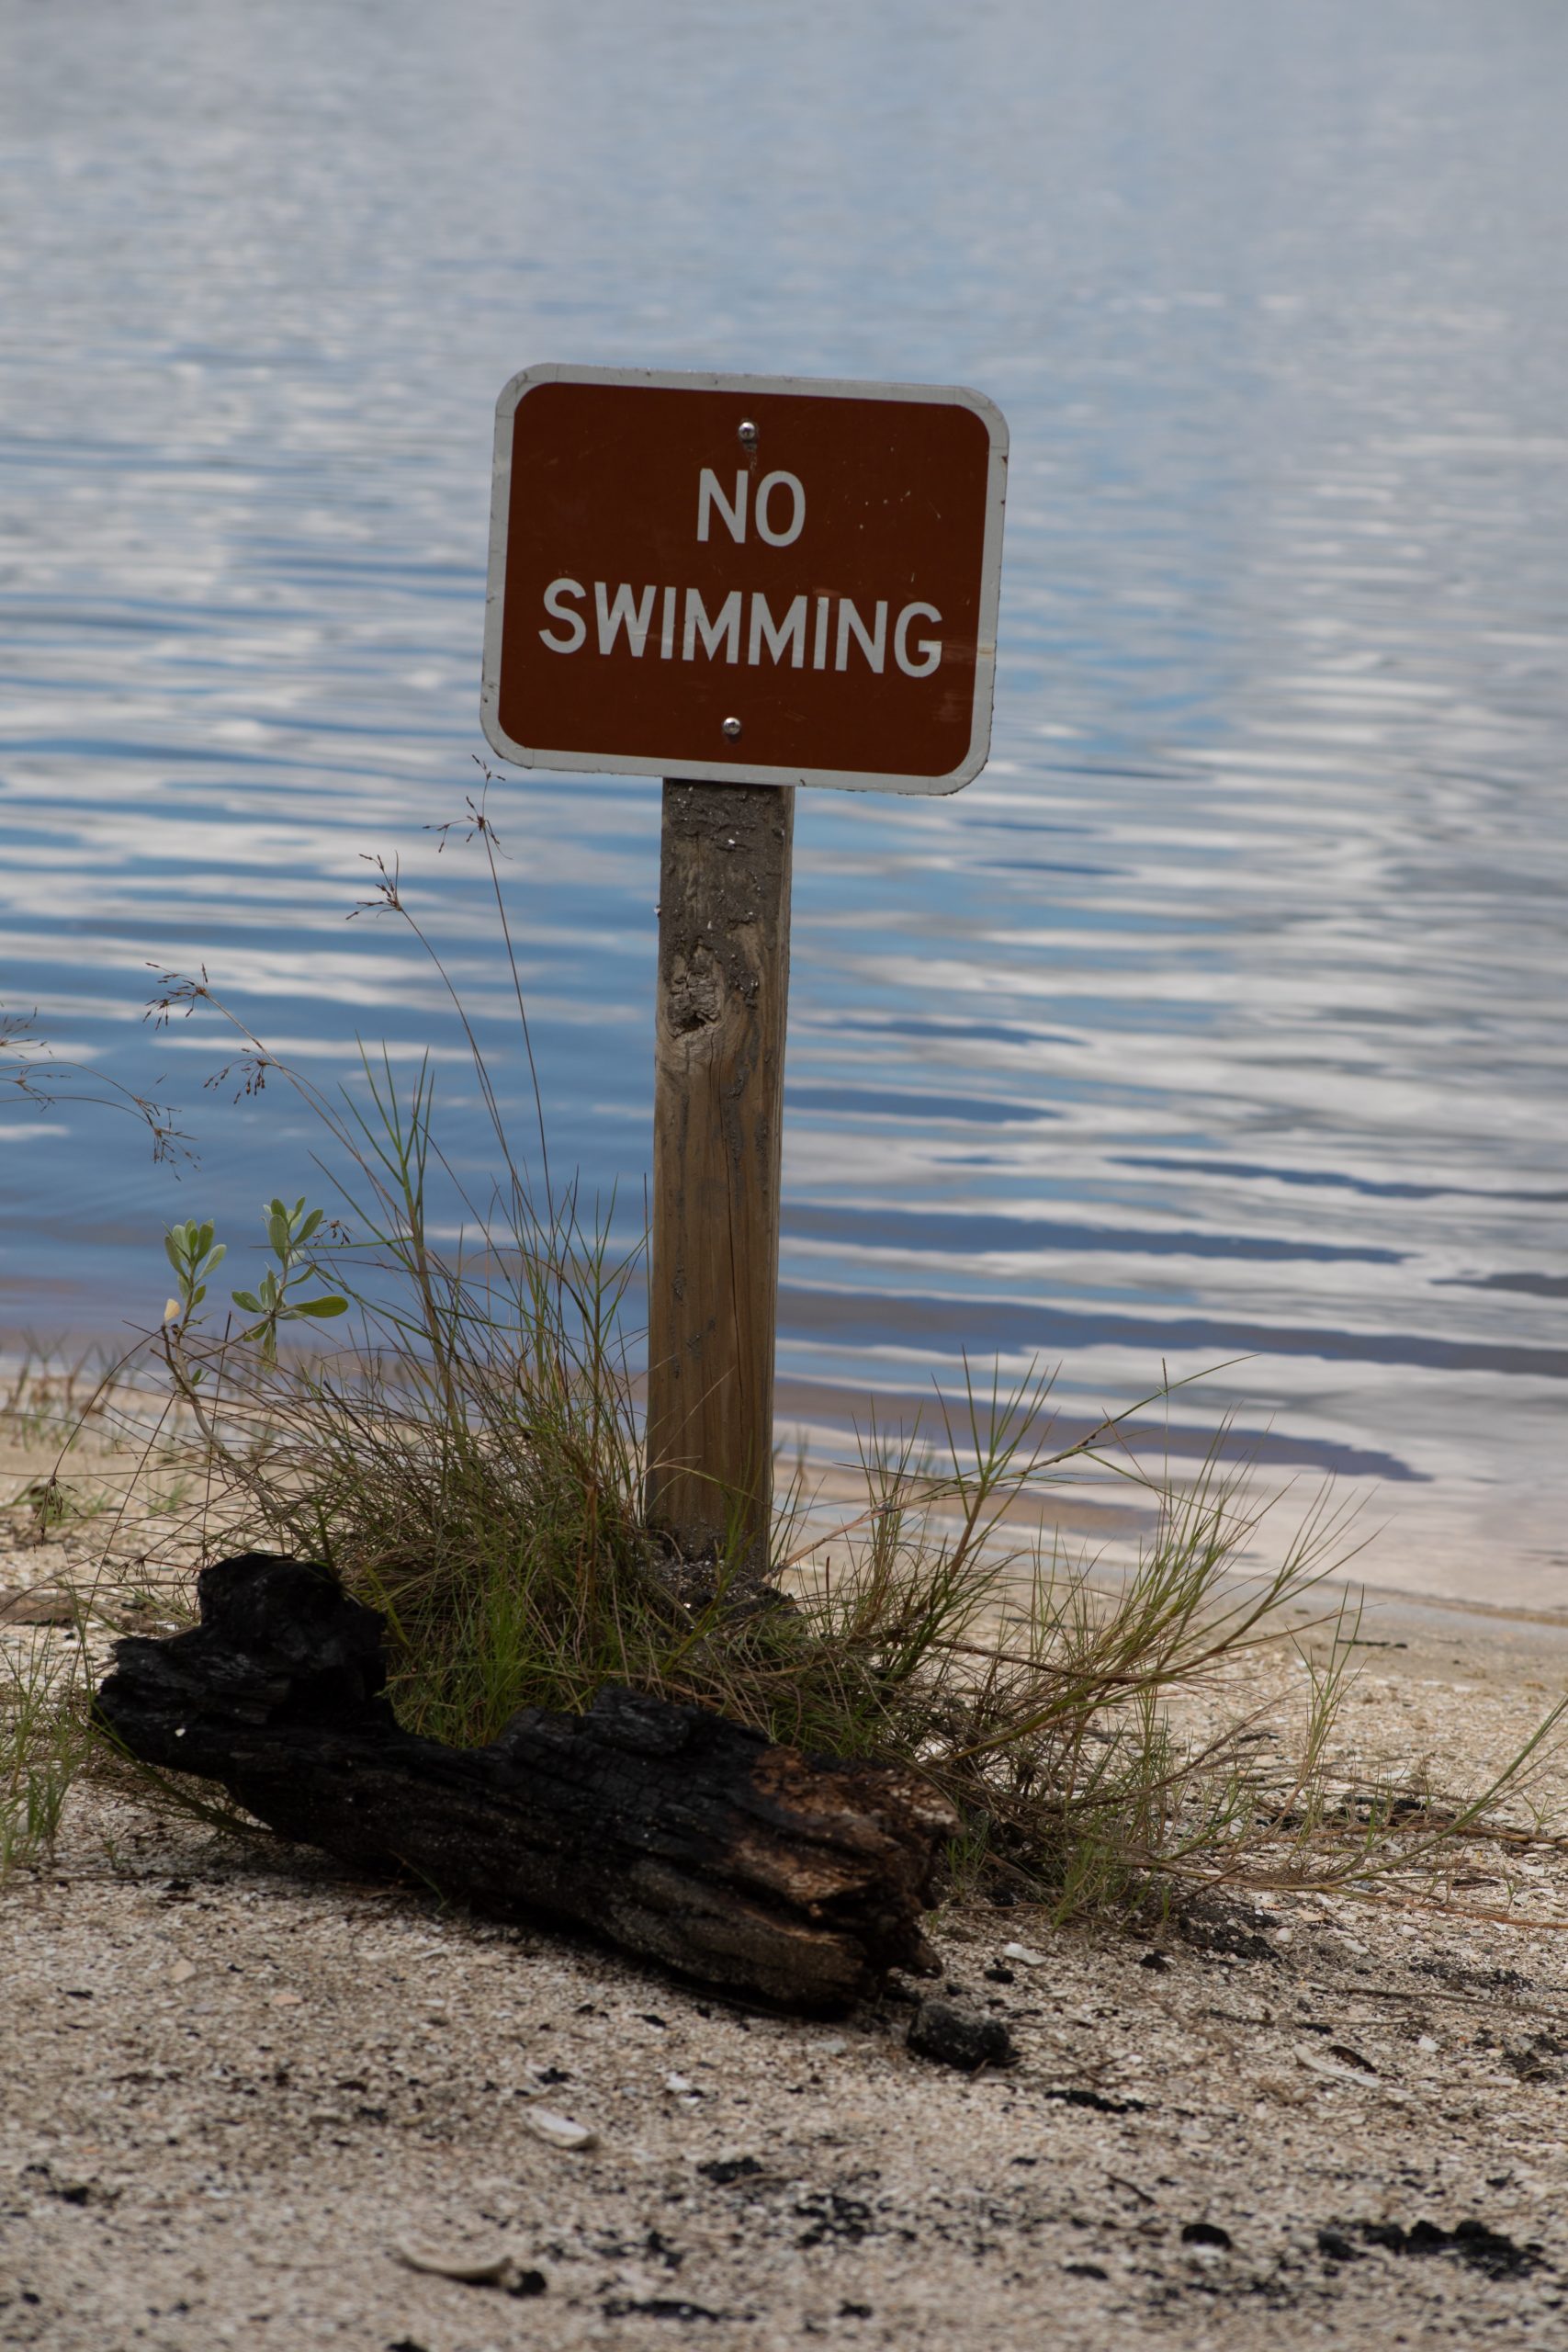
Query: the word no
733	513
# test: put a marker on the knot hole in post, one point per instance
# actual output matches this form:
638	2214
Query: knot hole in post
696	990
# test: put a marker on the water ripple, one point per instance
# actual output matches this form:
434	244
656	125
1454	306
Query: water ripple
1222	1013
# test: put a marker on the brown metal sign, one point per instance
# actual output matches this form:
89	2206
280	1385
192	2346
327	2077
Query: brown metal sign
744	579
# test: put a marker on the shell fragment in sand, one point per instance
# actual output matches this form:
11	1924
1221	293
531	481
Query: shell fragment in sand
475	2265
560	2130
1024	1955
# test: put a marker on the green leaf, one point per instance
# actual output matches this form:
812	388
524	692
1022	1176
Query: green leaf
279	1235
312	1222
331	1305
215	1257
172	1246
248	1301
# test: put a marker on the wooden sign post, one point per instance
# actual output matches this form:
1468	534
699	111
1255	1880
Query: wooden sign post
739	584
717	1128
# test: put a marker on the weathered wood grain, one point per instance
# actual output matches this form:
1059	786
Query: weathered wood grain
681	1836
718	1108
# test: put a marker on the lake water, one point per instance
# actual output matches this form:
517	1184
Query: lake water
1222	1017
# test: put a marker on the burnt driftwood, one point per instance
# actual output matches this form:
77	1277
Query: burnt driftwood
675	1834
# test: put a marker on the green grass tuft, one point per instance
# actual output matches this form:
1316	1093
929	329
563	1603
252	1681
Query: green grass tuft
469	1460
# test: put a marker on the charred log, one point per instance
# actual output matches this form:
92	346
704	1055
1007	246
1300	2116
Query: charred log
683	1837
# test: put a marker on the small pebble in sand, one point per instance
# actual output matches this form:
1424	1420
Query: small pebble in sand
959	2037
1024	1955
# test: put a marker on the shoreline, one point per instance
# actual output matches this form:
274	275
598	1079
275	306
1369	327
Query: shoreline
1426	1540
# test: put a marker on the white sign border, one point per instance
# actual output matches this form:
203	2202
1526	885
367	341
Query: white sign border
736	771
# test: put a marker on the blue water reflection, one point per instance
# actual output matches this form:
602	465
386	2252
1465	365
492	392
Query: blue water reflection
1223	1015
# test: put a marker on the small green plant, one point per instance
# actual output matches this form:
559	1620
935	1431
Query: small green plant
196	1256
289	1233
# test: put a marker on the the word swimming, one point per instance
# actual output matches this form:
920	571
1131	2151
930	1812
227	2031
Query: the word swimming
744	627
741	629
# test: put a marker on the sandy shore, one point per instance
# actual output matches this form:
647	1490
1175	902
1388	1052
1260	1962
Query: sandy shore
236	2081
